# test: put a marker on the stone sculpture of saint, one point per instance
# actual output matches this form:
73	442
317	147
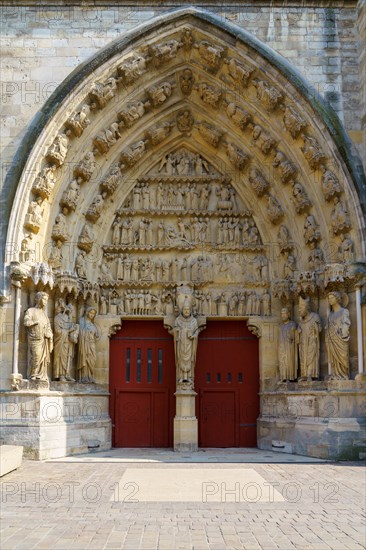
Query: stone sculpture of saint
40	338
287	347
309	344
66	336
337	337
87	354
185	334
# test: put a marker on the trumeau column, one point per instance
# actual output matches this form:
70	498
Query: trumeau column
185	329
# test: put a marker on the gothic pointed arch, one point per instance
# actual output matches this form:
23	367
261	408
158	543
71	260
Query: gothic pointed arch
187	140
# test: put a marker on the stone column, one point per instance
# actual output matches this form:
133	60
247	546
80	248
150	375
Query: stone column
359	332
16	377
185	421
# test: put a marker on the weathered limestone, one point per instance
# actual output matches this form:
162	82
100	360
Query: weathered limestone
10	458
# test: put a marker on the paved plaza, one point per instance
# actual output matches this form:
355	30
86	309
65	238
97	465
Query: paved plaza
212	500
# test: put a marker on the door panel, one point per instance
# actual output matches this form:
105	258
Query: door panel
227	380
142	378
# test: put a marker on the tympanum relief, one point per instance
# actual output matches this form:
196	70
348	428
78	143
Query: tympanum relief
183	224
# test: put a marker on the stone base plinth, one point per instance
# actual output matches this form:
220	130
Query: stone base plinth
317	419
10	458
185	421
54	424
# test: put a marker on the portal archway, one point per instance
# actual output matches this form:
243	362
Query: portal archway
187	146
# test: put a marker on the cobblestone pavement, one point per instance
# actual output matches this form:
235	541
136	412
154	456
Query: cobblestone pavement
79	505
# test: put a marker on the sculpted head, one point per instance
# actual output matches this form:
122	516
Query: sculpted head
304	307
41	299
186	311
91	313
334	298
285	314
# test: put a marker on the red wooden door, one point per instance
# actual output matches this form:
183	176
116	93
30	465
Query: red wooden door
227	383
142	385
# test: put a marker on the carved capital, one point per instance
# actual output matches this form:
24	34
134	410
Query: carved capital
255	327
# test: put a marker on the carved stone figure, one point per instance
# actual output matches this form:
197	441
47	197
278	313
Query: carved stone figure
185	122
55	257
85	168
39	337
77	122
345	250
56	154
236	156
287	347
186	81
238	116
164	51
66	336
112	180
71	196
311	230
300	198
107	138
337	335
133	68
87	353
209	94
185	334
288	169
238	71
309	341
101	93
268	95
284	238
60	227
80	265
290	266
95	208
132	113
210	133
266	303
45	182
210	53
330	184
157	134
312	151
293	122
160	93
105	272
274	209
262	139
316	257
340	220
27	251
258	182
86	238
33	218
134	153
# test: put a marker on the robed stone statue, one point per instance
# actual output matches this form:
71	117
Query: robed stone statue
337	335
287	347
40	338
87	354
66	336
309	344
185	334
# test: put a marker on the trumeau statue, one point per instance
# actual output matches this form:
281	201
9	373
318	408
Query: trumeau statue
337	335
287	347
309	341
66	336
185	334
87	354
40	338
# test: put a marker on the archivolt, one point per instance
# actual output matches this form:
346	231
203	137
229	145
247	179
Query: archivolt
251	117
